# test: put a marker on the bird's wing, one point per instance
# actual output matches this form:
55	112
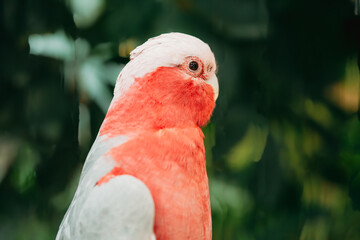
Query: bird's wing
121	209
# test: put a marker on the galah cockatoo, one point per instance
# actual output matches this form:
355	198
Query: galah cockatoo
145	177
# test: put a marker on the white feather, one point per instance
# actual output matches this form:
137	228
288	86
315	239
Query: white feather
97	164
121	209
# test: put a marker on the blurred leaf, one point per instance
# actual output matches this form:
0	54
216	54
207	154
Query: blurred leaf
24	174
317	229
56	45
318	192
226	197
86	12
8	151
92	83
318	112
250	148
345	93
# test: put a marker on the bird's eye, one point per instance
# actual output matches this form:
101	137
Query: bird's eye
193	66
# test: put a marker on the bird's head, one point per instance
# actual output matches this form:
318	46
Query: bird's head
170	79
177	50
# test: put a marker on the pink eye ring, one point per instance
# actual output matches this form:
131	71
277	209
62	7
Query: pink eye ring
193	66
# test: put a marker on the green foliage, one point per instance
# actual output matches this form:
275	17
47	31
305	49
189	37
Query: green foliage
283	148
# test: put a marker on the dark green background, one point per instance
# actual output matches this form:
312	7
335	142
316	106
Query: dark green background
283	146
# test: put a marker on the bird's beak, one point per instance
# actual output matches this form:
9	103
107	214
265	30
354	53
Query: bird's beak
213	82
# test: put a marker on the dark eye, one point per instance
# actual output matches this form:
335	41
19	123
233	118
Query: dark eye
193	65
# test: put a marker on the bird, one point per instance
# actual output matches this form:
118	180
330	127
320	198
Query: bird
145	175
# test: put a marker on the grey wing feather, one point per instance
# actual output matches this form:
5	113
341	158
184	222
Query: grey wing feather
121	209
96	165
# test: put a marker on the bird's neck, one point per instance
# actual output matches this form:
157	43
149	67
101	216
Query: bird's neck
162	99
